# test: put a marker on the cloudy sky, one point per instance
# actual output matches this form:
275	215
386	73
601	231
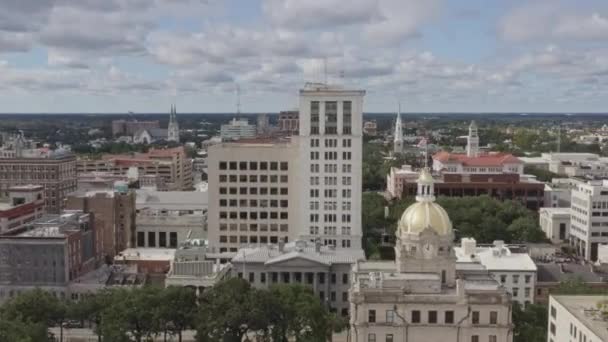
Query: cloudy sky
432	55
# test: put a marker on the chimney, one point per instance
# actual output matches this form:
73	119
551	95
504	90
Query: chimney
281	245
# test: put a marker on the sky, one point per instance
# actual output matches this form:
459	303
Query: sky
98	56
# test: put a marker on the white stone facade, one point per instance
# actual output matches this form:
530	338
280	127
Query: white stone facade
555	222
589	218
577	318
418	297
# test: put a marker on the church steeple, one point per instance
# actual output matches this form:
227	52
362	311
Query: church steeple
173	128
398	139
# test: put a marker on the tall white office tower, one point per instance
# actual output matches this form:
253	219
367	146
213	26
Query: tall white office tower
398	139
473	141
330	166
173	128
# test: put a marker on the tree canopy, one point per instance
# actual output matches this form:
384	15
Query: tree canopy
486	219
227	312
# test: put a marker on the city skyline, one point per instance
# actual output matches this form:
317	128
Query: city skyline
433	56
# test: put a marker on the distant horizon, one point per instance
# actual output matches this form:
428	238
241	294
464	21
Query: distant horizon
276	113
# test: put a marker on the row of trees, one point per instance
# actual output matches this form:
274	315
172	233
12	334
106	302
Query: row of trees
227	312
486	219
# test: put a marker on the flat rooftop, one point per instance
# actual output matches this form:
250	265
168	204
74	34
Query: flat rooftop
146	254
584	308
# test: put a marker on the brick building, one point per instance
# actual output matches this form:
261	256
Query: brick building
171	164
54	170
114	215
25	204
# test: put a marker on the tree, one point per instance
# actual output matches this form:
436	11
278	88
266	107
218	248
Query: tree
18	331
530	323
304	316
226	312
178	310
541	175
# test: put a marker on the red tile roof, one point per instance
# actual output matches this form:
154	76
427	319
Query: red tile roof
490	159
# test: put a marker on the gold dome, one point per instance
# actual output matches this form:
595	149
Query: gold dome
420	215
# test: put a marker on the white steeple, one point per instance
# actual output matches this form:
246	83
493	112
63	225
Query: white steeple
398	140
473	141
173	128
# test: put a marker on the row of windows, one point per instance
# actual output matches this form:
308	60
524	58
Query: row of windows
243	165
250	239
253	191
330	168
162	239
515	278
254	215
329	205
330	155
432	317
253	178
253	203
330	230
299	277
253	227
330	142
331	117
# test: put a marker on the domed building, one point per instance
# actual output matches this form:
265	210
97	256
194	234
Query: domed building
421	296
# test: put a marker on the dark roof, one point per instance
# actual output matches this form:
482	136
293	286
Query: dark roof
555	273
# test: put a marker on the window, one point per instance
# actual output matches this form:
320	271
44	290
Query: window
263	277
223	165
345	296
371	337
432	316
515	291
162	239
371	316
475	338
493	317
515	279
527	292
552	328
449	317
173	240
503	278
553	312
151	239
141	239
475	317
345	278
492	338
527	279
415	316
251	277
390	316
389	338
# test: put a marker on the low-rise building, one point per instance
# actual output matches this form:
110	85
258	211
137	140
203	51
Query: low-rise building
237	129
324	268
577	318
25	203
165	219
146	260
191	267
397	180
551	275
555	222
129	127
571	164
106	276
48	253
370	128
171	164
516	272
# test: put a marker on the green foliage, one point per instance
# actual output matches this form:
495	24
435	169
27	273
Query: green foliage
541	175
530	323
484	218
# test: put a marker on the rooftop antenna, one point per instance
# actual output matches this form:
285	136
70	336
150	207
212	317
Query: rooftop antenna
238	100
325	70
559	137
